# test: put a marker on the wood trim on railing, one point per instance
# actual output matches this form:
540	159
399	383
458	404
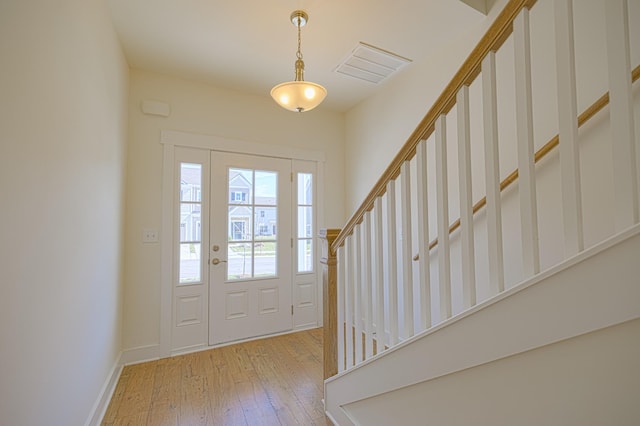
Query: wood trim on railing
492	40
541	153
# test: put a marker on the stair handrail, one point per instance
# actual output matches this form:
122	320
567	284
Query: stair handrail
586	115
495	36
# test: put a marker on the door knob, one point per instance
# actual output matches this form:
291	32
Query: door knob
216	261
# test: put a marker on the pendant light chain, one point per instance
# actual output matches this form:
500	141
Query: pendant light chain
299	52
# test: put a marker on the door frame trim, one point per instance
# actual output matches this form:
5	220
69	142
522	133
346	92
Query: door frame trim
172	138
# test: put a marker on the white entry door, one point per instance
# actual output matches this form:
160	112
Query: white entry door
250	273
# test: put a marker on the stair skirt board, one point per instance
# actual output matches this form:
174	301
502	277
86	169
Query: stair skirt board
594	290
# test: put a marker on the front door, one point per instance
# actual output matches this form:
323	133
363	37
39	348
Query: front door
250	276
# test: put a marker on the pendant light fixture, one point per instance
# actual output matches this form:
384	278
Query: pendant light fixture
299	95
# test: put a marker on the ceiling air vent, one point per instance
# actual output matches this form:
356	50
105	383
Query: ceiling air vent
372	64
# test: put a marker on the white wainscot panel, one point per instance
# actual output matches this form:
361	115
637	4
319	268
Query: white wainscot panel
306	295
268	300
237	305
188	310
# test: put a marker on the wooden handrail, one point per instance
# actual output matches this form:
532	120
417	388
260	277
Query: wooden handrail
495	36
541	153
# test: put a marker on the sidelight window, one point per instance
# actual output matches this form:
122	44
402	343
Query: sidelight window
305	222
190	263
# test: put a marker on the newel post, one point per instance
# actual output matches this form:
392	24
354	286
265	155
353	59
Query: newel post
329	263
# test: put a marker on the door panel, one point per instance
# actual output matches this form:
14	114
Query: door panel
250	247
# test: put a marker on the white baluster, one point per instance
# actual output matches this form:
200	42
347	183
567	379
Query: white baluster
492	173
367	290
378	277
625	173
568	123
392	259
348	299
407	256
466	206
341	307
526	160
357	310
423	236
442	193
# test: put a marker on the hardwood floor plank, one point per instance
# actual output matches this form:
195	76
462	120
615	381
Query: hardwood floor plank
253	398
137	396
295	375
268	382
163	414
224	400
195	408
136	419
280	396
116	399
165	400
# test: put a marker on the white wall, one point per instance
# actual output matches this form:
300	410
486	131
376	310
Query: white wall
203	109
63	86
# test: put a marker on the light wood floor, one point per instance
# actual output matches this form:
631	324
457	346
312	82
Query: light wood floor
274	381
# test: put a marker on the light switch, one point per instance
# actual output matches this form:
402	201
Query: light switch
149	236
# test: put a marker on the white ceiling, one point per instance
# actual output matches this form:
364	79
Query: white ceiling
250	45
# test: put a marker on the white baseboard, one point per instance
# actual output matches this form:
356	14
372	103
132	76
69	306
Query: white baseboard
140	354
102	402
190	349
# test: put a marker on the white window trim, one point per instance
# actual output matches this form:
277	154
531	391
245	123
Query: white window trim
171	139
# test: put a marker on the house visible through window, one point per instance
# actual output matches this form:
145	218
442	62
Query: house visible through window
238	196
238	229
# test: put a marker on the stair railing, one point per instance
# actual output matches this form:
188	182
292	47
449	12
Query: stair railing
365	271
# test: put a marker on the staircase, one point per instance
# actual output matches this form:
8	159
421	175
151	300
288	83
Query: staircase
522	307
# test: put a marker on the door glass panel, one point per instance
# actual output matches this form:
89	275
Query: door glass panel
239	261
266	188
190	222
304	221
190	182
265	259
190	263
305	188
305	256
266	221
240	223
252	218
240	186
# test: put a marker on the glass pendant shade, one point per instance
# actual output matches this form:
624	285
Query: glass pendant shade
298	96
